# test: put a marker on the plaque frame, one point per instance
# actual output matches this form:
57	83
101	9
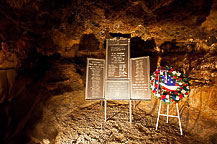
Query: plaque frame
87	73
121	81
148	72
128	56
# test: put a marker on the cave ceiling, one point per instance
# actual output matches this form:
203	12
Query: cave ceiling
58	24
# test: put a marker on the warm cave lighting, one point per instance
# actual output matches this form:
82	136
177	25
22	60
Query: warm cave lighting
108	71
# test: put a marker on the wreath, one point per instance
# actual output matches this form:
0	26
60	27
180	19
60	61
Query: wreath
169	85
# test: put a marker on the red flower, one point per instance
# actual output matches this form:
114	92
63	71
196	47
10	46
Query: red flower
172	69
175	77
186	93
181	88
156	78
180	79
153	91
157	72
184	85
163	96
156	85
181	96
177	84
169	71
152	81
176	92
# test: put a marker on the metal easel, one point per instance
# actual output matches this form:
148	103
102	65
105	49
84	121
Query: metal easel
130	110
167	115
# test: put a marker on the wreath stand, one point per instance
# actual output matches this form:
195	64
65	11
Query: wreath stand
167	115
130	110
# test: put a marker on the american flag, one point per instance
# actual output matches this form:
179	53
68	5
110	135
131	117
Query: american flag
167	80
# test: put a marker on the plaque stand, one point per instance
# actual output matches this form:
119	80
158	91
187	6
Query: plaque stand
167	115
130	110
105	104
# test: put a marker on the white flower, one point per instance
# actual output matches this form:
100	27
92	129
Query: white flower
187	87
161	72
158	95
167	100
174	72
183	91
177	97
167	96
180	83
178	74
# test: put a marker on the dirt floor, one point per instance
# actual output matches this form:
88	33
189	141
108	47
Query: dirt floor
67	118
84	124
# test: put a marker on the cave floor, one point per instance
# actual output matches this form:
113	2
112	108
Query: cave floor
83	122
68	118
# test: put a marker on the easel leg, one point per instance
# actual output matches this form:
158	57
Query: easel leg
167	112
179	118
158	115
130	111
134	104
105	109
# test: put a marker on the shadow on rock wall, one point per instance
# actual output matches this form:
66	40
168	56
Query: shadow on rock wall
140	48
89	42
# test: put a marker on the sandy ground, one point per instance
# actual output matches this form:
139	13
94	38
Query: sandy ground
82	122
68	119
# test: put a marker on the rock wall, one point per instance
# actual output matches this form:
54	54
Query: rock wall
53	39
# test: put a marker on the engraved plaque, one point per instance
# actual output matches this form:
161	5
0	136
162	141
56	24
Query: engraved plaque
95	79
140	71
117	90
117	58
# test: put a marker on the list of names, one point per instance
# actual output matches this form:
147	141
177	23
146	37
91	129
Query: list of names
140	78
95	79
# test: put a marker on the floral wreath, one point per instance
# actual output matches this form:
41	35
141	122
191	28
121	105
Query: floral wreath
169	85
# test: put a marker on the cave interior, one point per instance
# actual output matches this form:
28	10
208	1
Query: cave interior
53	39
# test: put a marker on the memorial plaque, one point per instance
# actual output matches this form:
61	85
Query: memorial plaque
140	71
95	79
117	58
117	90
